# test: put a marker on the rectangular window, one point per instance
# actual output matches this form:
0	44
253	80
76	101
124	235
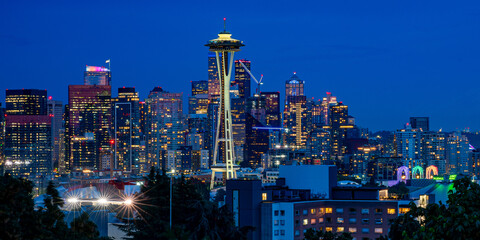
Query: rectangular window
305	212
365	230
276	213
328	210
282	212
297	212
321	210
275	223
352	220
305	222
365	211
312	211
297	233
378	230
340	220
328	229
352	229
282	232
297	222
339	210
391	211
276	232
282	222
378	211
378	221
329	220
264	196
313	221
340	229
320	220
353	210
365	220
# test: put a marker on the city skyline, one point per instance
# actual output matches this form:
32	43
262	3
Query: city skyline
404	60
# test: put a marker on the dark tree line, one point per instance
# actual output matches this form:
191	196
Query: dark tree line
194	215
20	220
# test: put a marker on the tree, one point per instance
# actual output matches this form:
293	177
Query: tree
399	190
194	216
459	218
312	234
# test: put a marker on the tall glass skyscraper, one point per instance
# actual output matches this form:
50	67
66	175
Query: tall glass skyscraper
97	76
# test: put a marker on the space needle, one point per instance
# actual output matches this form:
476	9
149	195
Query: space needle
224	48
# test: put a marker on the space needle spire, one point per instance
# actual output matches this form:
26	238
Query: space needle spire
224	48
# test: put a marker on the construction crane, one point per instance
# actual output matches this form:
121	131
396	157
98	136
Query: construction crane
251	75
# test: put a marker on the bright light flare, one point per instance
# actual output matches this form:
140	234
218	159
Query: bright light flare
102	201
128	202
72	200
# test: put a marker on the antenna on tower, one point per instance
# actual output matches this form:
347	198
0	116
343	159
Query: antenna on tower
225	24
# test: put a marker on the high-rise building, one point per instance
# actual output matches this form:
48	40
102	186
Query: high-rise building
26	102
293	87
55	111
407	145
327	102
272	108
164	124
457	150
97	76
88	132
295	121
338	125
199	87
126	123
198	104
242	78
213	80
432	146
28	133
420	123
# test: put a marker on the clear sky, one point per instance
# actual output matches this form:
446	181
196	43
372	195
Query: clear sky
387	60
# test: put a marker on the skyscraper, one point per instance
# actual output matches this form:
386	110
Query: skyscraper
457	154
55	111
338	126
126	115
213	80
293	87
164	127
327	102
272	108
420	123
97	76
27	133
199	87
242	78
88	132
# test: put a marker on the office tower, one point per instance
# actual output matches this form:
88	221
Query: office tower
293	87
316	114
257	142
126	115
198	104
338	125
238	126
432	145
320	145
474	162
88	127
327	102
26	102
197	133
97	76
420	123
457	154
164	125
199	87
55	111
224	47
28	133
213	80
272	108
407	145
242	78
295	121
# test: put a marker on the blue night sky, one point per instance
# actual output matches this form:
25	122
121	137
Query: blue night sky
386	60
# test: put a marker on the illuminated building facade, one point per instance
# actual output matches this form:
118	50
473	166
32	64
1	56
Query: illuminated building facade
327	102
213	80
432	146
272	109
295	121
2	138
338	124
165	128
293	87
126	115
199	87
55	111
28	132
407	143
320	144
457	150
97	76
198	104
242	78
88	132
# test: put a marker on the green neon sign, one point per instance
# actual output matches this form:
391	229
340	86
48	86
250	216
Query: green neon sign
452	177
437	178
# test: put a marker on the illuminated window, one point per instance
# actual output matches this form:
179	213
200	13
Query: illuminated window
352	220
305	212
340	220
264	196
403	210
321	210
340	229
365	230
378	211
365	211
339	210
378	221
391	211
328	229
320	220
328	210
297	233
305	222
352	230
313	221
378	230
312	211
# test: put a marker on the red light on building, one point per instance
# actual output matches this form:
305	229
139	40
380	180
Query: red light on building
50	98
112	142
